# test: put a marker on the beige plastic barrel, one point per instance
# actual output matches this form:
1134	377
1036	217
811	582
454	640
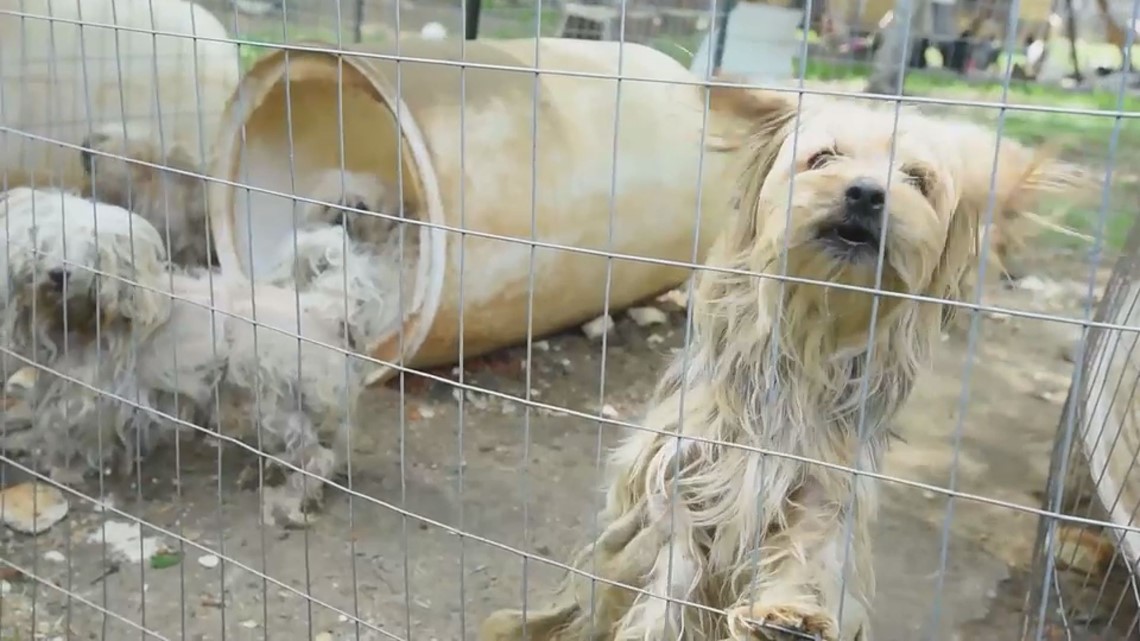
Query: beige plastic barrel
58	80
571	159
1110	427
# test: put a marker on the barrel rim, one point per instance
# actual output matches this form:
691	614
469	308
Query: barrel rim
255	86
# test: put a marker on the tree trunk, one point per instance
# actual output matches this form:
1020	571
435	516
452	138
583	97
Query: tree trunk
892	56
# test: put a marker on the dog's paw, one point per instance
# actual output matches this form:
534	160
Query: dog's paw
761	621
533	625
284	508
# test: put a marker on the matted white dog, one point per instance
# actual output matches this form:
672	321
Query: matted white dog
89	294
758	543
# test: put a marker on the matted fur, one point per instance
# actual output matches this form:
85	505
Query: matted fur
135	173
345	250
110	313
759	541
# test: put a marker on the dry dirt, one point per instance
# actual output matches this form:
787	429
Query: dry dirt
529	482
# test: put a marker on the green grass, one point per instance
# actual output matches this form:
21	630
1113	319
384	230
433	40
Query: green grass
270	39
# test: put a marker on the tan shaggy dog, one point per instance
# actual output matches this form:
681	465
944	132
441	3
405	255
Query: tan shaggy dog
757	545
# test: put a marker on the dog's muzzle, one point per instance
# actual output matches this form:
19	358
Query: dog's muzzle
856	230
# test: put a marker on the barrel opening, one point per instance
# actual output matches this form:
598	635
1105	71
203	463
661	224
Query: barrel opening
336	142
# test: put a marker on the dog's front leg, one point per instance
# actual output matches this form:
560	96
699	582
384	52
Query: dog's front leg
801	587
303	491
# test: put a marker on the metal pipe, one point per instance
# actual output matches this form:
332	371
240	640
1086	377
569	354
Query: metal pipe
473	8
720	26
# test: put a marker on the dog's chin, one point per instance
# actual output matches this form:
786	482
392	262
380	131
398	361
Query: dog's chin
850	243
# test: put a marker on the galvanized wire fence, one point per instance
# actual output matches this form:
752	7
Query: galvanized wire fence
495	215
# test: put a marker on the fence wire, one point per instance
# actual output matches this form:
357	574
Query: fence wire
321	321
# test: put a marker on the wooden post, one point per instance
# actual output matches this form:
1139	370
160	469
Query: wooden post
891	59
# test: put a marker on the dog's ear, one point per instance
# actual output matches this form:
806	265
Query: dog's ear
1017	182
738	114
756	122
137	289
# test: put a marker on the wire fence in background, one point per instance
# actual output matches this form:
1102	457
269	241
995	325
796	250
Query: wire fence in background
474	468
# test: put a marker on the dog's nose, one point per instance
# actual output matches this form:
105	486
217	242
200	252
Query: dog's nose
864	198
57	277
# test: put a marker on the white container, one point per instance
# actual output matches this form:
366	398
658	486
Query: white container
654	211
61	76
1109	427
760	43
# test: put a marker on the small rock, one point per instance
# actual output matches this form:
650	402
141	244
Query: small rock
1056	398
325	636
542	346
5	587
426	412
677	297
609	411
32	508
54	557
1000	317
655	339
208	561
249	624
646	316
598	327
433	31
22	381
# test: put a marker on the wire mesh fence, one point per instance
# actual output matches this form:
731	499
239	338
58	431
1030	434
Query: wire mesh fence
321	321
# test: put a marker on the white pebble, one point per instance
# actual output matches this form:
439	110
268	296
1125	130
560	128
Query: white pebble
609	411
54	557
426	412
249	623
5	587
433	31
646	316
598	327
208	561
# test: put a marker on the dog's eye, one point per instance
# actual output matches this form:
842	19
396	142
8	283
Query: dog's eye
920	178
821	159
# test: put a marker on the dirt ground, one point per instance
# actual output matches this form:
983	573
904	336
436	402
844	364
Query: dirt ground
426	468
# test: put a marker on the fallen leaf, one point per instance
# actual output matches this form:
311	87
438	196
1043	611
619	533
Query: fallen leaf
163	560
11	574
32	508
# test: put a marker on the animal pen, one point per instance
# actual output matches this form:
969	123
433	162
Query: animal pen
245	239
